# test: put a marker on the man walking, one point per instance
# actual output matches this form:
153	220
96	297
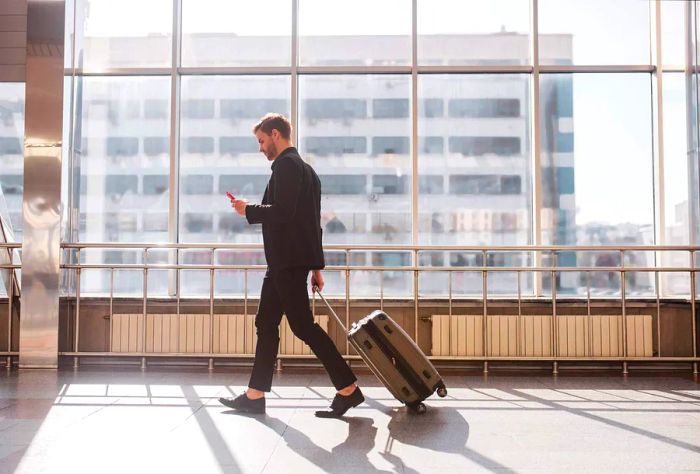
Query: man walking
290	215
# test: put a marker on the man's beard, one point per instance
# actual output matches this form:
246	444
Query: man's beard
271	152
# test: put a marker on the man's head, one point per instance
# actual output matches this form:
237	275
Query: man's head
274	134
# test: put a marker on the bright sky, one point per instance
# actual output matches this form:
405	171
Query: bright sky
612	114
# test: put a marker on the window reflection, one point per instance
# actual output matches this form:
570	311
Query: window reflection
218	152
355	131
11	155
118	140
474	165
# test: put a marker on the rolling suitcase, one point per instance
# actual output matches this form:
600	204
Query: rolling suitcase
394	358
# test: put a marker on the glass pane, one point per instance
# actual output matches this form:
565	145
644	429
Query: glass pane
597	182
675	182
225	33
109	33
673	33
69	22
12	155
122	195
474	32
474	159
675	159
362	33
594	32
355	131
219	153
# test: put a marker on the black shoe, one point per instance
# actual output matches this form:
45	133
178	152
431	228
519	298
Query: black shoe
341	404
244	404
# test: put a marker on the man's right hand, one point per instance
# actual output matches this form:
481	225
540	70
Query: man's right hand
239	205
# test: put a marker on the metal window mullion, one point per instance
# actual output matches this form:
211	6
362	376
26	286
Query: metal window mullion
174	175
414	125
354	69
295	71
658	137
234	70
589	68
71	127
691	108
414	155
475	69
536	196
126	71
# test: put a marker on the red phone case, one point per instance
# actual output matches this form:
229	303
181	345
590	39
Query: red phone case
230	196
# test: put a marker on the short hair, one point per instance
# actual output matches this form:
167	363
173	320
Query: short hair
273	121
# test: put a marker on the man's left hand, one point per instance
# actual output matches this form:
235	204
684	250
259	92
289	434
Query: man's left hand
239	205
317	280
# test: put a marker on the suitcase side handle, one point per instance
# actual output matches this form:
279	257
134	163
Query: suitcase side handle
317	290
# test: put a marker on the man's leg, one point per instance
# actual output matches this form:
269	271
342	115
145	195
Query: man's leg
292	290
267	322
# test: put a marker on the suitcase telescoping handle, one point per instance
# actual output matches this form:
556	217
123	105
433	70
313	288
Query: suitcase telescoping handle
317	290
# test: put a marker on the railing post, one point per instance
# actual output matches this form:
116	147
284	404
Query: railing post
484	291
10	295
76	360
211	310
145	304
693	289
624	311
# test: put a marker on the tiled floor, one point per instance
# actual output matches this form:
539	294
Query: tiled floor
98	420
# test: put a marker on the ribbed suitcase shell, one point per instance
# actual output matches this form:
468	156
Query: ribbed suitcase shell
394	358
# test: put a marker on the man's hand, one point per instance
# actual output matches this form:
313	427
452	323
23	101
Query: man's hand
316	280
239	205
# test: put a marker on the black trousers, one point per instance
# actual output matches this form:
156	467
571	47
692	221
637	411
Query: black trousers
284	291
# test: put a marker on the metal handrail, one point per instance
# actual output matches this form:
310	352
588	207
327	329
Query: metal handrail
414	268
465	248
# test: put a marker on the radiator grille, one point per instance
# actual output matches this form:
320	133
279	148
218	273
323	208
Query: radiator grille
531	335
189	333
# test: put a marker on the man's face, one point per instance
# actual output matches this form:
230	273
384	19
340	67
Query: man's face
267	144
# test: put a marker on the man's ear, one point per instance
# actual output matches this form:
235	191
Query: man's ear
275	134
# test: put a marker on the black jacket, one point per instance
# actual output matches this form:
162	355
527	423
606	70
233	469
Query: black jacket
290	214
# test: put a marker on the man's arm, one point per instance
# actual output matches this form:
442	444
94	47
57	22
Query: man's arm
287	178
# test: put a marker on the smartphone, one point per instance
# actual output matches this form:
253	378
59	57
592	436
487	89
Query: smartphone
230	196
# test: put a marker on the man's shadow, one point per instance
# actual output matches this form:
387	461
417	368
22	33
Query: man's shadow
439	429
360	440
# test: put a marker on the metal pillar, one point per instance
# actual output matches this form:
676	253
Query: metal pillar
38	345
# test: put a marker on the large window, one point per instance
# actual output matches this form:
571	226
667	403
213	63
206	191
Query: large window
357	33
351	127
219	33
594	32
123	151
11	155
480	196
597	174
219	153
375	94
127	33
452	32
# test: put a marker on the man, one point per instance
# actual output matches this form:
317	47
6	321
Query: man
290	215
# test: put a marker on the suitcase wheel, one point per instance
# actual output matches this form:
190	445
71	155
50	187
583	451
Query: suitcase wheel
442	392
418	408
